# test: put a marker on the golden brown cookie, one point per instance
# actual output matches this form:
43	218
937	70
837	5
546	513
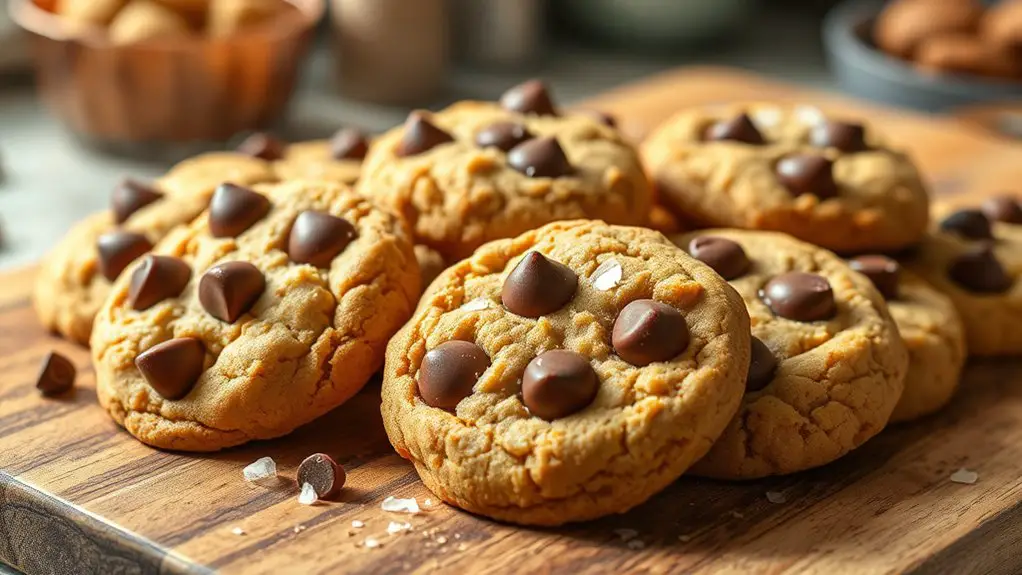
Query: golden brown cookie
931	330
566	374
143	20
905	24
481	171
827	364
338	159
978	264
75	276
830	182
264	313
967	54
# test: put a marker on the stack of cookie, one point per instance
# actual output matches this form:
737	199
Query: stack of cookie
571	361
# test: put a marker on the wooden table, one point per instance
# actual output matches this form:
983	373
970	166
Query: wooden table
78	495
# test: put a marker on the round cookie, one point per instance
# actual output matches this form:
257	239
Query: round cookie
538	383
75	276
977	264
931	330
338	159
259	316
831	183
480	171
827	364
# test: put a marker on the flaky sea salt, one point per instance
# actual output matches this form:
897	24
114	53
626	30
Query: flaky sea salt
607	276
965	476
478	304
441	540
238	531
776	497
308	494
636	544
358	524
395	527
261	469
372	543
626	534
395	505
299	528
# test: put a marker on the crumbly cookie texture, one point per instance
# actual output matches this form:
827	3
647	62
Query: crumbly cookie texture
494	448
828	367
300	345
457	194
979	267
69	287
832	183
316	160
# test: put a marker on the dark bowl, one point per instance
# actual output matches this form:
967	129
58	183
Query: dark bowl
865	71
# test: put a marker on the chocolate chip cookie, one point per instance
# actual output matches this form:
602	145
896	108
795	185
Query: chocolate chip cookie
827	363
977	263
75	277
338	159
830	182
568	373
270	309
482	171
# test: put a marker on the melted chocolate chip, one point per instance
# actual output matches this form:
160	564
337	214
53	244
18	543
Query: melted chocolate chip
228	290
1004	208
117	250
558	383
648	331
234	209
420	136
502	135
449	372
807	174
172	367
844	136
131	196
726	257
531	97
56	374
323	473
969	224
538	286
349	144
737	129
157	278
540	158
799	296
263	146
881	270
316	238
978	270
762	365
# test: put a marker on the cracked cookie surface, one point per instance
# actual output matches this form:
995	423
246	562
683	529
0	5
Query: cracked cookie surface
229	338
828	368
535	417
832	183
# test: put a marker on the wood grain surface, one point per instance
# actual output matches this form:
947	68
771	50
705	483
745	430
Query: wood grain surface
78	495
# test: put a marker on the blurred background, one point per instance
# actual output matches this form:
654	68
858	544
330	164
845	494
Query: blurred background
93	90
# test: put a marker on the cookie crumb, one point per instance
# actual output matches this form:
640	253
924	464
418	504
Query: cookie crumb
238	531
358	524
636	544
965	476
626	534
395	505
260	469
684	538
308	494
607	276
299	528
372	543
776	497
395	527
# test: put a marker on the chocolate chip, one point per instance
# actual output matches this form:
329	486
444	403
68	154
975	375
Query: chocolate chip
844	136
531	97
969	224
540	158
56	374
726	257
538	286
421	135
324	475
558	383
799	296
118	249
131	196
349	144
647	331
449	372
316	238
502	135
156	279
807	174
738	129
234	209
1003	209
881	270
172	367
230	289
978	270
263	146
762	365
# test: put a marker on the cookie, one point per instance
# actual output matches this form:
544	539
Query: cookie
931	329
479	171
827	364
977	264
830	182
338	159
269	310
143	20
88	12
905	24
566	374
75	276
967	54
1002	25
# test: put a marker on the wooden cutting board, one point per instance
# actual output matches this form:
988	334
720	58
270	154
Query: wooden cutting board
78	495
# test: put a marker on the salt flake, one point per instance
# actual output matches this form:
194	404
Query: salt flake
607	276
372	543
299	528
478	304
965	476
358	524
636	544
776	497
260	469
441	540
395	527
238	531
626	534
395	505
308	494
